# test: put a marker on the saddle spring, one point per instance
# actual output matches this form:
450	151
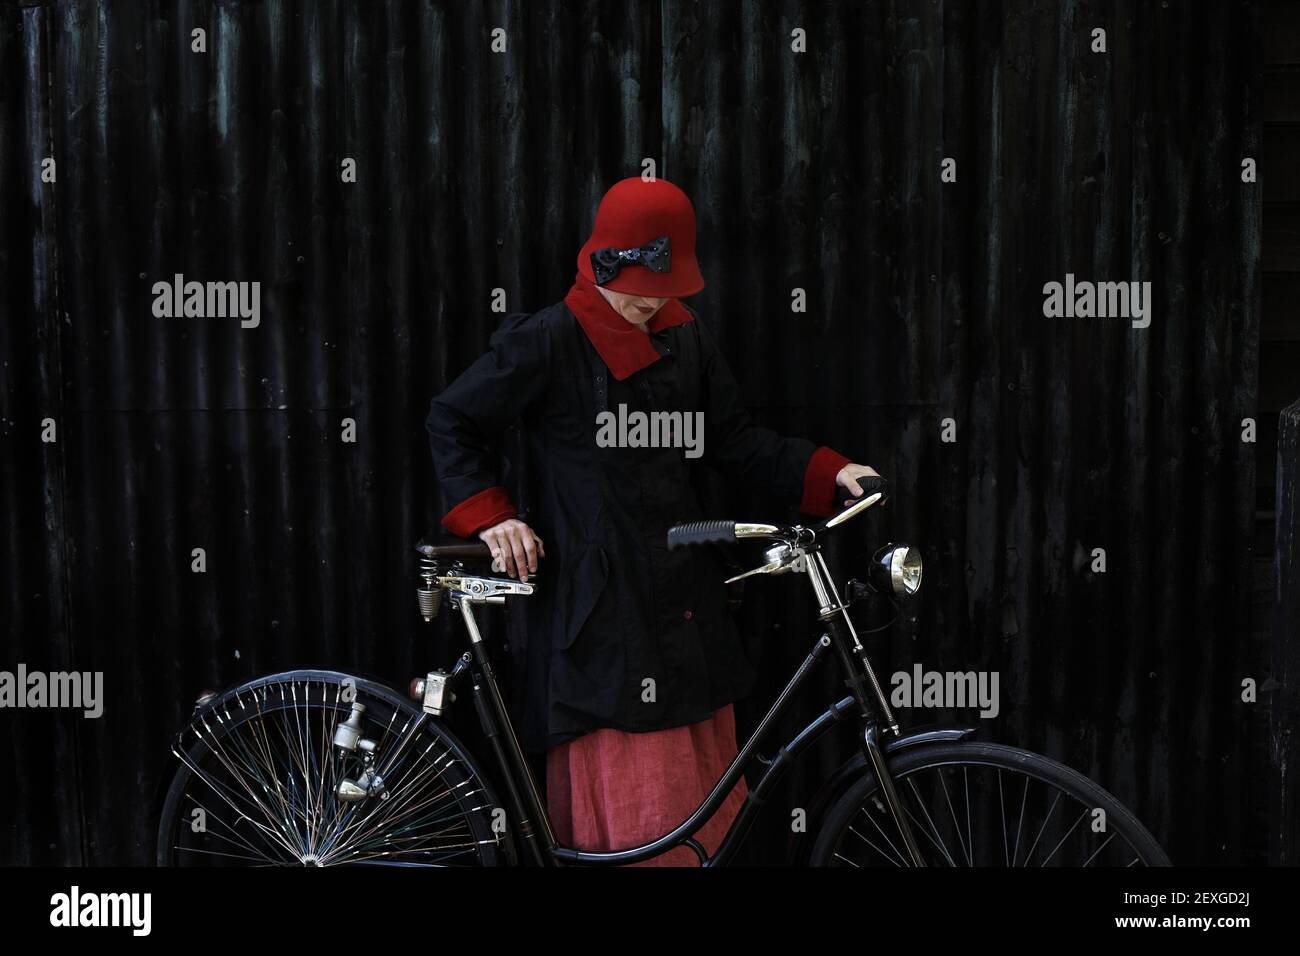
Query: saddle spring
429	594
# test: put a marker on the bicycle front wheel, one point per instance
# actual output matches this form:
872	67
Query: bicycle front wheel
263	782
980	804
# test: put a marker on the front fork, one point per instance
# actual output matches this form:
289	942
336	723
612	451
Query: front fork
859	675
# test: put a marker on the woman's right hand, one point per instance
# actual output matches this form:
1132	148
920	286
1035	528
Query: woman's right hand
515	547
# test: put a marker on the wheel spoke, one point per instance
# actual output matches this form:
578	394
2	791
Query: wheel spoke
970	836
1077	821
1002	816
937	838
1020	821
1039	836
953	813
895	855
1088	861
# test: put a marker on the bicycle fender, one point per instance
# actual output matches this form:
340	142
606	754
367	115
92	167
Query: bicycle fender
928	734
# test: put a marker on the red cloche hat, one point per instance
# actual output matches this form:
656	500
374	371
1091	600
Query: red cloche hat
643	242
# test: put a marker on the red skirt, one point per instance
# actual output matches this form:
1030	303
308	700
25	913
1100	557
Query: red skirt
610	790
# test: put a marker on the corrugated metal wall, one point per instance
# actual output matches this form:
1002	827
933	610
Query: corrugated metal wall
479	170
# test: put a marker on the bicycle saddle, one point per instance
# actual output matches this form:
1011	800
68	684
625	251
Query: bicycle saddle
448	547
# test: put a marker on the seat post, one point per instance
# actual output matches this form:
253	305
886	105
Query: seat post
471	625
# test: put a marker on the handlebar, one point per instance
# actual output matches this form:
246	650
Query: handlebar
701	532
875	490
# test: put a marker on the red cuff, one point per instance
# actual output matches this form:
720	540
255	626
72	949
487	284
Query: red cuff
819	488
488	507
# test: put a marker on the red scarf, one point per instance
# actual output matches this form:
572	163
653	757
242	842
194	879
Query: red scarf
622	346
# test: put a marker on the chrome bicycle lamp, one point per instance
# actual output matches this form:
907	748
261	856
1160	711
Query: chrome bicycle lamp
897	568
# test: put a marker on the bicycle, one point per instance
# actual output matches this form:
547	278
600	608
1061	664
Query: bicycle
317	768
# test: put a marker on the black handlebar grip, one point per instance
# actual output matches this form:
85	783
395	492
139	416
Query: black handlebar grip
870	485
701	532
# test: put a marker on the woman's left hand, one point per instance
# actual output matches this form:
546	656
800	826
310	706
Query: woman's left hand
848	478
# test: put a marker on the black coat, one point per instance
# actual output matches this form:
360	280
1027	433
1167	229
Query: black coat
622	633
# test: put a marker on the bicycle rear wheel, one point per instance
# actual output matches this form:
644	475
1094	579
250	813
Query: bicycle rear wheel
980	804
260	772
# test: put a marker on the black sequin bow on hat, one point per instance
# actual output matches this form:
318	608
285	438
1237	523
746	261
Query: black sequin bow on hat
654	255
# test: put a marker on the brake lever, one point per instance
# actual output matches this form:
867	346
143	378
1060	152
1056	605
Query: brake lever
865	501
787	558
851	511
763	569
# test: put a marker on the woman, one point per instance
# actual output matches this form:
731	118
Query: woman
632	659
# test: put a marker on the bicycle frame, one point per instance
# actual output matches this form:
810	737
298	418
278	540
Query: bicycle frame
878	736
